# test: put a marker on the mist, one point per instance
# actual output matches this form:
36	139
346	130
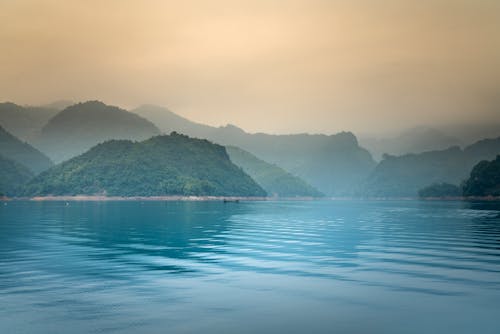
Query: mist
300	66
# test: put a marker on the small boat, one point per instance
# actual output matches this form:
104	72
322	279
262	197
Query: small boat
231	200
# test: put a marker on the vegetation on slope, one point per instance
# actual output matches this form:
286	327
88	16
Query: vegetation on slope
163	165
274	180
22	153
12	176
484	179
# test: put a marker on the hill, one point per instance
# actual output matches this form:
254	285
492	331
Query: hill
405	175
25	122
12	176
273	179
22	153
81	126
163	165
333	164
415	140
484	179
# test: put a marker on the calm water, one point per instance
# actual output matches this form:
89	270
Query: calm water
257	267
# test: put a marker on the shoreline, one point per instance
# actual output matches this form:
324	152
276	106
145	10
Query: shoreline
100	198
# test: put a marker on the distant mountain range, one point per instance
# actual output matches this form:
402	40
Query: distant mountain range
282	165
423	139
415	140
159	166
273	179
81	126
25	122
405	175
333	164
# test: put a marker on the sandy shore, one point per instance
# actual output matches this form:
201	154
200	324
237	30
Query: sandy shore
236	198
143	198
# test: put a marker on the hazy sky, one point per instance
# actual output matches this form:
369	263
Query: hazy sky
278	66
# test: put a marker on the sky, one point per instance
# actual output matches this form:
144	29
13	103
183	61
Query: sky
265	65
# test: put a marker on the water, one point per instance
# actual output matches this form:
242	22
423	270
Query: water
250	267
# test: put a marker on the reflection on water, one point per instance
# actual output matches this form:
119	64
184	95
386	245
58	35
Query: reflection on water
296	267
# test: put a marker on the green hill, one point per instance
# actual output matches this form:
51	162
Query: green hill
407	174
13	175
484	179
163	165
333	164
274	180
81	126
22	153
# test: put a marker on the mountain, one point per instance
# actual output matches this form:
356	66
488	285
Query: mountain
423	138
163	165
13	176
273	179
405	175
24	122
484	179
59	104
81	126
168	121
415	140
22	153
334	164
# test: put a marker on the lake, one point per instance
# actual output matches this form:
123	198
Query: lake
250	267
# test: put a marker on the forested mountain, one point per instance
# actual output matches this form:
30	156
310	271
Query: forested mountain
334	164
163	165
81	126
273	179
22	153
25	122
484	179
405	175
13	176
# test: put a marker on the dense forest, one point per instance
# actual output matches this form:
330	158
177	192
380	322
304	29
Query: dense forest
484	179
163	165
13	176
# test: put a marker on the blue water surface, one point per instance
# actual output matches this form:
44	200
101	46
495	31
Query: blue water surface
250	267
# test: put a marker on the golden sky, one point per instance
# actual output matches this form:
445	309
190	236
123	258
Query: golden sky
275	66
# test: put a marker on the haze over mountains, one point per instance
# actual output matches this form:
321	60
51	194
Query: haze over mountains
332	164
81	126
283	165
273	179
405	175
